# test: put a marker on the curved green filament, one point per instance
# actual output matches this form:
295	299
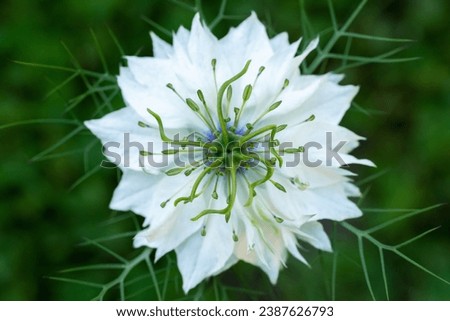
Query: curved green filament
262	130
197	182
269	173
220	94
232	199
162	133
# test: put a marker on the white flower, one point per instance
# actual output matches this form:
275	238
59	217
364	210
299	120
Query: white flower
237	134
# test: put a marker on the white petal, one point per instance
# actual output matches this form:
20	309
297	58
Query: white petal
133	191
247	41
280	41
329	202
291	244
148	71
313	233
161	49
308	95
325	144
144	86
123	140
261	244
168	229
351	190
202	256
171	225
330	102
313	177
280	203
181	37
278	67
309	48
202	43
292	99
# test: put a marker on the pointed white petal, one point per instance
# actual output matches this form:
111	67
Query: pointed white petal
200	257
308	95
312	177
330	102
168	229
161	49
261	244
279	67
247	41
290	241
202	43
311	46
325	144
132	193
351	190
280	41
144	86
171	225
329	202
313	233
123	140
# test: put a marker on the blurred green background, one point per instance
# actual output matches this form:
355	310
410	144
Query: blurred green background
43	219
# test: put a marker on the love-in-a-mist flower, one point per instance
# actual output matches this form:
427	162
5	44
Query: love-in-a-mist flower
228	151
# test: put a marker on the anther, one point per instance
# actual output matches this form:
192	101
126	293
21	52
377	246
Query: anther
142	124
174	171
278	219
170	151
163	204
261	69
193	105
145	153
302	185
281	127
247	93
229	93
275	105
201	96
278	185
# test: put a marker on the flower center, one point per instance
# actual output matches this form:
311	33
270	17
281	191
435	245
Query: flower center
230	149
232	154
